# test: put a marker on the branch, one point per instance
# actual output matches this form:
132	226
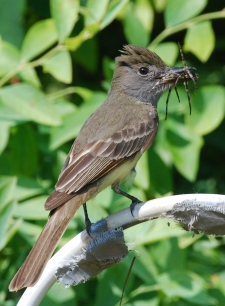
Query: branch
197	212
185	25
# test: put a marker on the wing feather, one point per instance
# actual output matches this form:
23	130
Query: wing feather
99	158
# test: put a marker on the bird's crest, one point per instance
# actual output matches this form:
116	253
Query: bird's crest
131	55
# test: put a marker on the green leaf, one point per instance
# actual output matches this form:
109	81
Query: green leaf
10	116
65	14
144	266
115	6
5	218
142	178
31	103
30	76
28	164
88	32
200	40
93	14
12	21
95	11
145	13
40	37
185	147
161	146
168	254
160	5
167	51
13	228
89	60
180	283
152	232
178	11
63	106
157	177
30	232
85	93
7	190
56	296
206	116
60	66
9	57
32	209
7	204
4	128
27	188
9	60
73	122
134	30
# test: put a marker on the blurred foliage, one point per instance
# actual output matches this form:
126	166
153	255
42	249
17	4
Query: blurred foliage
56	63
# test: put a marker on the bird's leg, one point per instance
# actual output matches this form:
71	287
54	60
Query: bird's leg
87	220
116	189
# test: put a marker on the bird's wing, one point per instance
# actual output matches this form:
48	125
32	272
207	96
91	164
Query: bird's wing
99	158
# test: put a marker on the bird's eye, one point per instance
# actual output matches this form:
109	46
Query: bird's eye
143	71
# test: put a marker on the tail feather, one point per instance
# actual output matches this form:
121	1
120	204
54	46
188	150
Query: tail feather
38	257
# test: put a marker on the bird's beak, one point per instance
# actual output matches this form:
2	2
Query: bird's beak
178	74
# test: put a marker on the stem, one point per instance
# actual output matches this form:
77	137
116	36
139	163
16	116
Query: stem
62	93
24	65
182	26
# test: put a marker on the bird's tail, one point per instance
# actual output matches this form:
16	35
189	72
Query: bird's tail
38	257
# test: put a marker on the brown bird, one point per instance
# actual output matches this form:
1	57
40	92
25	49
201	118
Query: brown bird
107	148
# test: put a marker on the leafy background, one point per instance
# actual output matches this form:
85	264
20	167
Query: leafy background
56	63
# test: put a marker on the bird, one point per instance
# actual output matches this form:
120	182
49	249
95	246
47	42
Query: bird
107	148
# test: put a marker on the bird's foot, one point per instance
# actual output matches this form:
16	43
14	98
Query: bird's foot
135	201
87	220
88	226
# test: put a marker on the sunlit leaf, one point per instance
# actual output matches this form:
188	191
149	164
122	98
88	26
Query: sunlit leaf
33	209
60	66
5	218
30	232
180	283
160	5
142	178
7	187
9	57
10	116
40	37
200	40
30	102
4	128
88	32
30	76
145	13
57	296
114	8
7	205
185	147
65	13
95	11
27	188
167	51
206	116
134	30
178	11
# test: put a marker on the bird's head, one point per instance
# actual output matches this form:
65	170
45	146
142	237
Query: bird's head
143	74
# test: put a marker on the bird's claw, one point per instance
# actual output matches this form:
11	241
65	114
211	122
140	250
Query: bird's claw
88	226
133	204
